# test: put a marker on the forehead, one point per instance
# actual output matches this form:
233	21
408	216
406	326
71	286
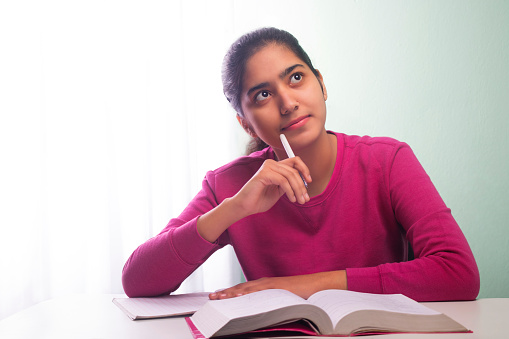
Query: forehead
267	64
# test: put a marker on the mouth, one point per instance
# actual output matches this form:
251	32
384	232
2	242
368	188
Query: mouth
296	123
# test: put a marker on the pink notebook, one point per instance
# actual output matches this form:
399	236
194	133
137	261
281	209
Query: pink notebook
296	328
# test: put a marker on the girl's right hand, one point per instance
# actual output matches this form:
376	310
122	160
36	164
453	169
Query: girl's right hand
270	182
259	194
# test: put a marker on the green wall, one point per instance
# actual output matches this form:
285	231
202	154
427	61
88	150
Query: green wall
434	74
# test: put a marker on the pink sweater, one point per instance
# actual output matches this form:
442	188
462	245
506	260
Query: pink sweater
378	199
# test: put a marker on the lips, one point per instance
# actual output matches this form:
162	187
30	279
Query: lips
296	123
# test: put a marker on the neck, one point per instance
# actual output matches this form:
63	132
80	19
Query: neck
320	158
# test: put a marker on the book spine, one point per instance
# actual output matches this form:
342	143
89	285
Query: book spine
194	331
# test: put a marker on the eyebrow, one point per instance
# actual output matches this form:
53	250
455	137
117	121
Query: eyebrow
282	75
289	70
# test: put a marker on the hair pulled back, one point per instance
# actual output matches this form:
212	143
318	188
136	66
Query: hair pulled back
235	60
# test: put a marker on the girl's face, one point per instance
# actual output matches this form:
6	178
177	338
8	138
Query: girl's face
281	94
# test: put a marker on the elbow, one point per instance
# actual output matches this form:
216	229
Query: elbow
466	282
129	282
133	281
135	286
451	279
129	290
471	278
138	282
150	270
471	285
466	290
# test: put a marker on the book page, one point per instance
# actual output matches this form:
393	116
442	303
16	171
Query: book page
339	303
257	302
249	312
163	306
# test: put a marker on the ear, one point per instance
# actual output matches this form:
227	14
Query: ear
320	79
245	126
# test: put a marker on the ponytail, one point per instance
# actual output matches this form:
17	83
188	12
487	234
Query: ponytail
254	145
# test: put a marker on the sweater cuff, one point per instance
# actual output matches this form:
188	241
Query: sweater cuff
188	244
364	279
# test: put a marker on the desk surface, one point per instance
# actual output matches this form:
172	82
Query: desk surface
97	317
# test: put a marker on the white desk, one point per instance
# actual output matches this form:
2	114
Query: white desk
97	317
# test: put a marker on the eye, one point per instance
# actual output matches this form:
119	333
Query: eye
262	95
295	78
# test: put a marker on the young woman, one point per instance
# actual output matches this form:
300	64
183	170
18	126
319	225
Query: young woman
367	199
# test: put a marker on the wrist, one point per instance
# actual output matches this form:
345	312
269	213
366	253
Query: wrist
342	280
213	223
236	204
333	280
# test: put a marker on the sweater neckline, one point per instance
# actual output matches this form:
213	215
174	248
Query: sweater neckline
334	180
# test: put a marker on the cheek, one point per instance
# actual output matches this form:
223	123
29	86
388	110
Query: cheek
315	99
264	121
265	114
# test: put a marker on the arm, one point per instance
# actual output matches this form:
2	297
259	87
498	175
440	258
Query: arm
161	264
444	267
258	195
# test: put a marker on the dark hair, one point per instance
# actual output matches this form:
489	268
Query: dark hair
235	60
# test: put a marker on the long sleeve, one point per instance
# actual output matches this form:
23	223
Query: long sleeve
444	267
162	263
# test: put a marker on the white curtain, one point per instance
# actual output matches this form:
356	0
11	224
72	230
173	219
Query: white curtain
111	112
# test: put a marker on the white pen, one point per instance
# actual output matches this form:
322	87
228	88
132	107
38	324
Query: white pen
290	154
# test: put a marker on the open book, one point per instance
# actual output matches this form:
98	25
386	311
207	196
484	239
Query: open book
330	312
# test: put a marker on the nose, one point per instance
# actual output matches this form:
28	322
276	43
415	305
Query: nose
288	103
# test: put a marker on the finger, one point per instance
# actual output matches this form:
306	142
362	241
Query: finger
304	176
226	294
287	183
286	178
297	163
239	289
280	176
297	190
